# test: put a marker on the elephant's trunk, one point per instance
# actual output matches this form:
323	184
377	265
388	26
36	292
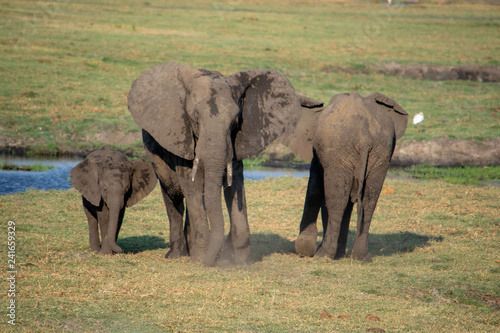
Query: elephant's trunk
229	169
215	165
213	205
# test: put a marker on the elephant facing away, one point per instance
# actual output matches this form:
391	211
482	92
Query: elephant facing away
109	182
198	126
353	139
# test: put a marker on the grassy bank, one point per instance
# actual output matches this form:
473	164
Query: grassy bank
435	268
37	167
66	67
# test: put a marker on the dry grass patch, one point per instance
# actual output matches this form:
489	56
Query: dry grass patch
435	266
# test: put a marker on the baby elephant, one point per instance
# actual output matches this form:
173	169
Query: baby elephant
108	182
353	140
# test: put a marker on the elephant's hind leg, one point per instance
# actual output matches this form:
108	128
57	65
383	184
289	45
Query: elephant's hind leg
338	183
344	231
305	244
373	186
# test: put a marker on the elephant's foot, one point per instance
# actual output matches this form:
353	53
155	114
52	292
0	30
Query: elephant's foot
197	254
366	257
234	252
110	248
324	252
241	255
227	251
95	249
341	251
360	251
116	248
197	257
177	252
305	245
172	254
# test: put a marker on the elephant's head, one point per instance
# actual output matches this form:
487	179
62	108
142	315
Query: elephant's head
107	176
203	116
300	140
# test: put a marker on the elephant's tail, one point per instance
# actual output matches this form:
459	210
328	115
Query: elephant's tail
361	176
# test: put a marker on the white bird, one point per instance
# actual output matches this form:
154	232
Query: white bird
418	118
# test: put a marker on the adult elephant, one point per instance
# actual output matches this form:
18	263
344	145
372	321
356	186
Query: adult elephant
198	126
350	142
109	182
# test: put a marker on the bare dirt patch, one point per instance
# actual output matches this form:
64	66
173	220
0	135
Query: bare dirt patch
447	152
478	73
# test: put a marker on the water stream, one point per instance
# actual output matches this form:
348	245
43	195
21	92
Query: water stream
58	178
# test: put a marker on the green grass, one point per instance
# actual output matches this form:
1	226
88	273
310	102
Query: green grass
66	67
37	167
435	267
463	175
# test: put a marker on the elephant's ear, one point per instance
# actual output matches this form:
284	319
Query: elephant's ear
308	102
143	181
300	140
84	177
398	115
157	104
269	109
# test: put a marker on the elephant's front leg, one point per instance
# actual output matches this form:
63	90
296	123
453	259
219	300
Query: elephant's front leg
103	220
237	244
199	231
338	184
90	212
305	244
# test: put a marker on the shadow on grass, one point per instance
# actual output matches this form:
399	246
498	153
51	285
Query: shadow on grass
390	244
263	245
378	245
136	244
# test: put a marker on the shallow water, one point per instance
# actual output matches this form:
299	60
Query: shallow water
21	181
58	178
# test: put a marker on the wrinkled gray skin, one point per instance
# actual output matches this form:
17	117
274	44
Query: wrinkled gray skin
198	126
109	182
353	140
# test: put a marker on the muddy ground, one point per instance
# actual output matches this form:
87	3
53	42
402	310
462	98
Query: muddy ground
476	73
448	152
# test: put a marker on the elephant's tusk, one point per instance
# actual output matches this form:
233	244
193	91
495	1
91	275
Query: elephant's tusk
195	167
229	173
